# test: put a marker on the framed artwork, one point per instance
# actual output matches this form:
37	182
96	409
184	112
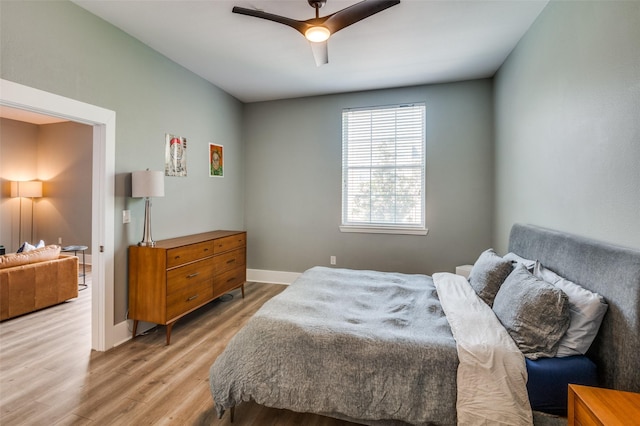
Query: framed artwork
216	160
175	155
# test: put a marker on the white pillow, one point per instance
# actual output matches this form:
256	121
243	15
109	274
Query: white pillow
587	310
28	247
528	263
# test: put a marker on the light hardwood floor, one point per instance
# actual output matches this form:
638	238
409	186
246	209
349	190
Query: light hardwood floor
50	376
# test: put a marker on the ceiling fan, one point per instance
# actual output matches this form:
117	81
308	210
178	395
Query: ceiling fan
318	30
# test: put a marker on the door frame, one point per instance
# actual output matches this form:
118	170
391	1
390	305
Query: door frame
103	331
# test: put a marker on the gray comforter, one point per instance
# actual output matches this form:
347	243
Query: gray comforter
363	345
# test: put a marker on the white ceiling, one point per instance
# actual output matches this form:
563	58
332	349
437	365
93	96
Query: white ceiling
28	116
415	42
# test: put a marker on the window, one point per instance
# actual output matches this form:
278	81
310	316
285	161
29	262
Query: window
383	169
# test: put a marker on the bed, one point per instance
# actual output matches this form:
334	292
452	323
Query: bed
377	348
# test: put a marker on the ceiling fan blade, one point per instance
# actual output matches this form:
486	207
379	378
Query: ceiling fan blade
334	22
357	12
320	52
300	26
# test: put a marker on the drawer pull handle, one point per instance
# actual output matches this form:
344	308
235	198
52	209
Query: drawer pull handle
230	261
195	274
177	257
206	249
192	298
231	279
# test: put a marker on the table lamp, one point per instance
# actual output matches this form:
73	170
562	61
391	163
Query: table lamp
146	184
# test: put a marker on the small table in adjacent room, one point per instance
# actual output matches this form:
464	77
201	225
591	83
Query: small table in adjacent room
75	250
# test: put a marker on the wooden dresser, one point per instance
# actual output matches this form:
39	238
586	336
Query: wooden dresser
179	275
597	406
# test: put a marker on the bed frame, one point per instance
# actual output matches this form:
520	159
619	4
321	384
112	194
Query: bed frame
613	272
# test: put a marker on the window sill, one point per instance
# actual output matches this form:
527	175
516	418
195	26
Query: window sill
384	230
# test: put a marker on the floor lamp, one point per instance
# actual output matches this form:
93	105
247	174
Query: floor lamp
146	184
28	189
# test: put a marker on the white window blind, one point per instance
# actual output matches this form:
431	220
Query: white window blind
383	169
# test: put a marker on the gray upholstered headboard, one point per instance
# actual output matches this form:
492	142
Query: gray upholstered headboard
613	272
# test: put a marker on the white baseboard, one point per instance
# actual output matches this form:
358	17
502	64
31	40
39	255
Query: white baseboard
272	277
122	331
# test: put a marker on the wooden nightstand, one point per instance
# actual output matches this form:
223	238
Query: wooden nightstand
597	406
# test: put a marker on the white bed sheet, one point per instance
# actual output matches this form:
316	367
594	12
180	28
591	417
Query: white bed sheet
492	374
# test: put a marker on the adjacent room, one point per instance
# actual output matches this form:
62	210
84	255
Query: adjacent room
510	118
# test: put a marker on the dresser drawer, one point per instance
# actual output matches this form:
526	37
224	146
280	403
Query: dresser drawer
229	280
189	275
180	255
230	260
230	243
188	298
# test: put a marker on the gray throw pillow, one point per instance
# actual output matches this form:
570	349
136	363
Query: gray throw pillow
488	274
586	309
534	312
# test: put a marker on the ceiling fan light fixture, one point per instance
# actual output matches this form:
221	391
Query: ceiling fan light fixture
317	34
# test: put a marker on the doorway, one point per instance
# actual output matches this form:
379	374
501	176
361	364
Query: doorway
104	333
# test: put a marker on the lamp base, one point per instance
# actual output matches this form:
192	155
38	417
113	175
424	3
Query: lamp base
147	241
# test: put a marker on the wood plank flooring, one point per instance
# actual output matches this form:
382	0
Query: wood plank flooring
50	376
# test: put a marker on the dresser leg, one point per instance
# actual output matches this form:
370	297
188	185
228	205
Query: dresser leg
169	327
135	329
231	412
242	288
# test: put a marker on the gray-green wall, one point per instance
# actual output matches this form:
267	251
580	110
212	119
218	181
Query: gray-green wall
564	152
59	47
568	124
293	206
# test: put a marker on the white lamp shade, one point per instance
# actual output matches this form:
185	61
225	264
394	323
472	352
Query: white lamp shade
147	183
28	189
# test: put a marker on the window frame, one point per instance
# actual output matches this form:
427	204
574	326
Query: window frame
373	226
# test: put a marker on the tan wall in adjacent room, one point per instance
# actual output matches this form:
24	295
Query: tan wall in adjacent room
59	155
